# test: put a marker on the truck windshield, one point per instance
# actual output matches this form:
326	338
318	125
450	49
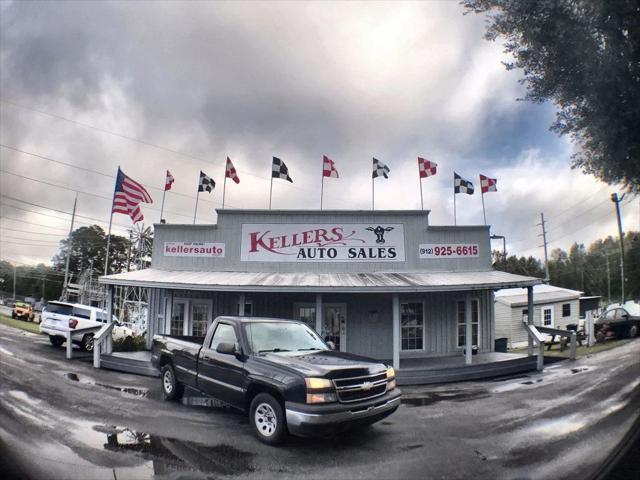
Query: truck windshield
282	337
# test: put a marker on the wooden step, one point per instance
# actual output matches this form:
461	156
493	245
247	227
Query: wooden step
128	365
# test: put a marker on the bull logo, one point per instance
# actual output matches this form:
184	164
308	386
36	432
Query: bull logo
379	232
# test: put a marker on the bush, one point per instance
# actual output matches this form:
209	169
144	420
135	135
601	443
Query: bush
132	343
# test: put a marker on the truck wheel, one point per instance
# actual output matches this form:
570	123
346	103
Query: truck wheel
267	419
87	342
633	331
56	341
171	388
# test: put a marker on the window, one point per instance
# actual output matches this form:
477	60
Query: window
82	313
200	317
178	314
412	326
307	315
60	308
525	315
248	308
547	317
566	309
475	320
610	315
224	333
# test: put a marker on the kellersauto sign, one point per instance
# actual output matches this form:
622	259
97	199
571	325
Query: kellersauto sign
346	242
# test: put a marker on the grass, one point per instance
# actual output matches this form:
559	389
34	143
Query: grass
21	324
580	351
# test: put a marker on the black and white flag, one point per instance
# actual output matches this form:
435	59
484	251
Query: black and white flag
460	185
380	169
280	170
206	183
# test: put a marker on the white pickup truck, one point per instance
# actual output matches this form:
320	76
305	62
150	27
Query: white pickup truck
60	317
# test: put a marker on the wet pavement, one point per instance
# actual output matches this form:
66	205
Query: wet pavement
65	419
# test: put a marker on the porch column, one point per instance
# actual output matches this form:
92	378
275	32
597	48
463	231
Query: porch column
468	335
396	331
319	314
241	302
529	318
109	345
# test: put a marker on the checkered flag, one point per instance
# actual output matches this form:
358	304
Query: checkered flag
461	185
380	169
206	183
280	170
488	184
426	168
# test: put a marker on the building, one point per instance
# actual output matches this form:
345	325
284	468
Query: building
554	307
383	284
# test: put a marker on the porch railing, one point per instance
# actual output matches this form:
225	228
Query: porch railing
570	334
102	343
538	338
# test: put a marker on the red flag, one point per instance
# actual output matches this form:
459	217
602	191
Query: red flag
127	197
231	171
488	184
168	181
426	168
329	168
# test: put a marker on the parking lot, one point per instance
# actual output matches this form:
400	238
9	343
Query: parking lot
63	416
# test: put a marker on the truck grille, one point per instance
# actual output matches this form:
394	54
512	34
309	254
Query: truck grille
355	389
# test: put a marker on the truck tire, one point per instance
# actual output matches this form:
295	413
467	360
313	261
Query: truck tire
87	342
172	389
267	419
56	341
633	331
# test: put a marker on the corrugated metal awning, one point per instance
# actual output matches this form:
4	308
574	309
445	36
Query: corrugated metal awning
320	282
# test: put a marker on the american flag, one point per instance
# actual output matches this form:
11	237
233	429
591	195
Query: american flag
231	171
168	181
488	184
426	168
329	168
127	197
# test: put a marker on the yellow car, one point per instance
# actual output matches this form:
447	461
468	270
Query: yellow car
22	311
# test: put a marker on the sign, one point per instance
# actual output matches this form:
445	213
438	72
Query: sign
193	249
449	250
336	242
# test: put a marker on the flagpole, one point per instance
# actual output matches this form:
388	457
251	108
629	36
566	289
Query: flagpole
455	218
322	185
195	212
224	187
484	214
373	194
162	207
270	190
106	257
421	198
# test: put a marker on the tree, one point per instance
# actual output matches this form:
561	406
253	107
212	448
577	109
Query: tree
88	246
583	55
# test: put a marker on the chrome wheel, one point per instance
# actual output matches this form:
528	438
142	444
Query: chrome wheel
167	382
265	419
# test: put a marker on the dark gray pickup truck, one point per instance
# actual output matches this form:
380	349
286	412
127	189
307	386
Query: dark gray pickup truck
281	373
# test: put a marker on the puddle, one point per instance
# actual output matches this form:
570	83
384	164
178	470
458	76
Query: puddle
506	378
138	392
172	454
578	370
443	396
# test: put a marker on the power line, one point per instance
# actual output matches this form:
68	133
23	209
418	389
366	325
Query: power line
4	217
2	229
30	239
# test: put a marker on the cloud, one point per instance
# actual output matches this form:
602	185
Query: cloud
252	80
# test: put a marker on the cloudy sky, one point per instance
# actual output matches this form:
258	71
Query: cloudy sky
150	86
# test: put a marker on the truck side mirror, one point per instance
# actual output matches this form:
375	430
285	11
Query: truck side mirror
226	348
331	345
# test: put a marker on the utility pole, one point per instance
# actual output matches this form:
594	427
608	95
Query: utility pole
615	199
14	282
69	248
606	256
543	224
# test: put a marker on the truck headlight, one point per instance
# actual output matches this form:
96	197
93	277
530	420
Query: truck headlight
391	373
318	383
391	378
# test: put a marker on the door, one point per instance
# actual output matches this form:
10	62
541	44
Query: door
334	325
221	375
178	325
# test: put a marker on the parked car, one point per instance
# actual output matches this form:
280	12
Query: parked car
22	311
618	321
60	317
279	372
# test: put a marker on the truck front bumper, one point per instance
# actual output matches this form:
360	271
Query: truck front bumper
307	420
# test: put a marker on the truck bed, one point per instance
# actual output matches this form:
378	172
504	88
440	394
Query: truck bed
184	351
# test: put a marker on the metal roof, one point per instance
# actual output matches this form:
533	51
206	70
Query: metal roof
320	282
541	294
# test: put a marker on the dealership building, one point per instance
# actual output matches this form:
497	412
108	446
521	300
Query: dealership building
383	284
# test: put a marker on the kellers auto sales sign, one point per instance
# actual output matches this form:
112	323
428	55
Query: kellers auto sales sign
340	242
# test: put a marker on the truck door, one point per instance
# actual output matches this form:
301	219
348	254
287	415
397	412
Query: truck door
221	375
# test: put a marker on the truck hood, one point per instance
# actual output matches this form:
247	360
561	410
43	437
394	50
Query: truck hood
324	363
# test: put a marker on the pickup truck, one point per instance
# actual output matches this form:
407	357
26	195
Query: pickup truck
279	372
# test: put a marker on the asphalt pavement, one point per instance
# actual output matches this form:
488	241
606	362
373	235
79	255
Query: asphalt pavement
65	419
